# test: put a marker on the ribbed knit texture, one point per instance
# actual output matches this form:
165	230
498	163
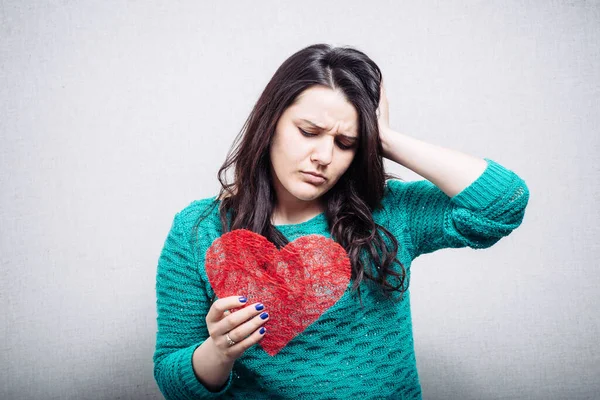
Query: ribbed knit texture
350	351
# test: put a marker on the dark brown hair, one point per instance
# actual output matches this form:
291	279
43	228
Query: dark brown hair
350	203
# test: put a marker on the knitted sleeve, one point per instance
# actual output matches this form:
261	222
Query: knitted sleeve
182	304
478	217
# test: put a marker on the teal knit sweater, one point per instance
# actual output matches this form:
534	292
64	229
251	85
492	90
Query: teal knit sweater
351	351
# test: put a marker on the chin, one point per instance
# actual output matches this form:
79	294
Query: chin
307	192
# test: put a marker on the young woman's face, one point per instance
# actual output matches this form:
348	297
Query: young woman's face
300	148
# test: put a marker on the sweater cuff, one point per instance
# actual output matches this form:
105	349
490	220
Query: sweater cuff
491	184
191	383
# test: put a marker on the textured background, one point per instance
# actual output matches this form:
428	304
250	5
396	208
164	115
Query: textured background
116	115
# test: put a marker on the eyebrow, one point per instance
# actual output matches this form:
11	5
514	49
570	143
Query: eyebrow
354	138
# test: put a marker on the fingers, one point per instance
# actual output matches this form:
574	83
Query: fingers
235	319
219	307
243	330
237	349
243	325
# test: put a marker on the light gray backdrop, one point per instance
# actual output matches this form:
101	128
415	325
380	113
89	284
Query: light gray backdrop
116	115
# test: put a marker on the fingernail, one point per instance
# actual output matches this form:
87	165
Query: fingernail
243	299
259	307
264	315
262	331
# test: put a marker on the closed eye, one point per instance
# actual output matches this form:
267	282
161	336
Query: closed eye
307	134
341	145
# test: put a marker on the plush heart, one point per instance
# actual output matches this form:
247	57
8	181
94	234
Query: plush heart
296	284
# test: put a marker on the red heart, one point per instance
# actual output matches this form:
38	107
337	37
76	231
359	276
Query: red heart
296	284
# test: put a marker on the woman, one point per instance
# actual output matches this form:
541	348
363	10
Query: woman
239	316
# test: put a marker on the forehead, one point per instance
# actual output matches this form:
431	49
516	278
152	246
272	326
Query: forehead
325	107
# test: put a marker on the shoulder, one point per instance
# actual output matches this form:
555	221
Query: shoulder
402	198
200	219
397	192
393	186
397	187
392	192
197	208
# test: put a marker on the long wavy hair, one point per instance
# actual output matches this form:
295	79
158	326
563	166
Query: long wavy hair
350	203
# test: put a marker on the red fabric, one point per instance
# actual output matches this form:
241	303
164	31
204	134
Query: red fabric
296	284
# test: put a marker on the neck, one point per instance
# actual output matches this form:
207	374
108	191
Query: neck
295	213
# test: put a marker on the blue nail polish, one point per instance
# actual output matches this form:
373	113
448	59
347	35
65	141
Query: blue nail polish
262	331
243	299
259	307
264	315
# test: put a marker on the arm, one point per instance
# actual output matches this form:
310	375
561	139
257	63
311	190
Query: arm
464	201
448	169
480	215
181	340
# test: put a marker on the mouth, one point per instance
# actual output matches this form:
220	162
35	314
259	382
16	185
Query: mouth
314	178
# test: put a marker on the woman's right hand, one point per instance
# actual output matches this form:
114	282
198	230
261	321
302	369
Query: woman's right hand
243	326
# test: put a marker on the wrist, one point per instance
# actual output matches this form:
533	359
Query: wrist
210	367
216	355
390	142
383	137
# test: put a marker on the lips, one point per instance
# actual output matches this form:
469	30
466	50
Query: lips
314	174
313	179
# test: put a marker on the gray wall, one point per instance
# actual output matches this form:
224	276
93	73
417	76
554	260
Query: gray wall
116	115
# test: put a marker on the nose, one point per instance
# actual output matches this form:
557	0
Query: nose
323	151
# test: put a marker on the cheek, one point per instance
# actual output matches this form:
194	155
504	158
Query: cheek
293	147
345	161
285	152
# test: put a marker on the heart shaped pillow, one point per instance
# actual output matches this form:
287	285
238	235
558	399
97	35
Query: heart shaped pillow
297	284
